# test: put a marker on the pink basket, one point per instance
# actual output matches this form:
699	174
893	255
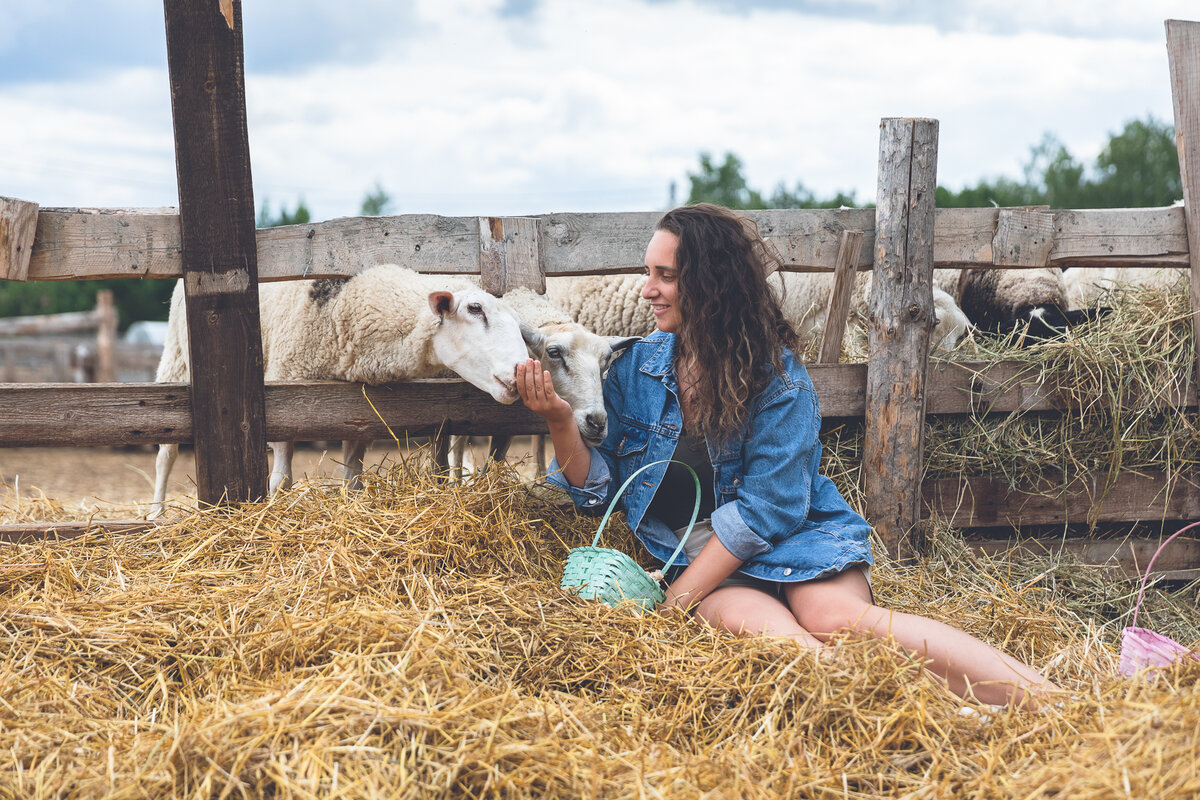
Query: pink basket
1143	649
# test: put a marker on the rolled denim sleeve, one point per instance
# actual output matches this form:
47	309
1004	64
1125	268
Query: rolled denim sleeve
780	458
596	487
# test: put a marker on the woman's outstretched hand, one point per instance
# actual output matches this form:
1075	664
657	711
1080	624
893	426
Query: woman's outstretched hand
537	392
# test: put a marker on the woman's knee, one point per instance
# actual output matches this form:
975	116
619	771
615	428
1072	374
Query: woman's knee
827	610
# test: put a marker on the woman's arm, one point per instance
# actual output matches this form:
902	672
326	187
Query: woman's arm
537	392
714	564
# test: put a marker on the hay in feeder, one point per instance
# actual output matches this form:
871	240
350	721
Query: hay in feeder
411	641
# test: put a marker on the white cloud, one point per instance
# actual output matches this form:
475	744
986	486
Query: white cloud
457	109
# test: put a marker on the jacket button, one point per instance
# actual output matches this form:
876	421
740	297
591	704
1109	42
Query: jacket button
787	571
737	481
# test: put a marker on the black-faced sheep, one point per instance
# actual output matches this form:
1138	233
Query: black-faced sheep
1001	301
384	324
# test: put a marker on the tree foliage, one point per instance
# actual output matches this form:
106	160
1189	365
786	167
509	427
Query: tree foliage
725	185
376	203
1139	167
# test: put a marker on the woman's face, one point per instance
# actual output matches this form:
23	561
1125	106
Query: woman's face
662	284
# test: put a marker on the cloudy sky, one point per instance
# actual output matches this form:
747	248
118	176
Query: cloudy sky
510	107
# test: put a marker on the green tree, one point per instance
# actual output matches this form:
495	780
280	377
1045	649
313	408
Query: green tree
1139	167
724	184
285	217
376	203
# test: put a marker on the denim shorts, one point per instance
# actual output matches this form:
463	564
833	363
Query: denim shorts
703	531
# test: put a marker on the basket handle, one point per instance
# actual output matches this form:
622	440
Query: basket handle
695	509
1141	591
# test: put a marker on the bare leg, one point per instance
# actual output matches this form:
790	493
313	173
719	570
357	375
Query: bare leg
281	465
163	463
353	451
970	667
745	611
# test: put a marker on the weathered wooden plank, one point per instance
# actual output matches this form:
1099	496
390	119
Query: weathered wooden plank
1179	560
18	224
25	533
220	253
344	247
987	501
1124	237
42	324
153	413
838	308
1024	237
900	320
35	415
100	243
87	244
1183	52
509	255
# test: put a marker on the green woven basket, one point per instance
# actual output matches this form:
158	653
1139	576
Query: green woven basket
601	573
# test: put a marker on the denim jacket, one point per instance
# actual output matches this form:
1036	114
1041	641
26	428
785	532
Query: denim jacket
775	511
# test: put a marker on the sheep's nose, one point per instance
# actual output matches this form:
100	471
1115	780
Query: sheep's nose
596	422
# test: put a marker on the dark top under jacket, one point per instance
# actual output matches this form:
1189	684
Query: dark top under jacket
676	494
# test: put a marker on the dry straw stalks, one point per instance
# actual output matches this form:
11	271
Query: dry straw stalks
411	641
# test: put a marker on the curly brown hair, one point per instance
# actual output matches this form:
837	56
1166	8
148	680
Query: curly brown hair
732	325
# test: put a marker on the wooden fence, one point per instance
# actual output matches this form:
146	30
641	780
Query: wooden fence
229	414
73	347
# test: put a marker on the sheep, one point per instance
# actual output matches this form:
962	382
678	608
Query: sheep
1001	301
613	305
372	328
576	358
1086	286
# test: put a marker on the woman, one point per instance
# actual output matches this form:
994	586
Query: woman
781	552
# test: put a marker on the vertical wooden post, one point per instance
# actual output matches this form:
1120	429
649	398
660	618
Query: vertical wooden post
900	322
18	224
220	256
106	337
837	310
1183	55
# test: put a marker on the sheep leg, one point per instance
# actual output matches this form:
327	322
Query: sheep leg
539	452
167	453
353	451
281	466
456	456
440	442
498	449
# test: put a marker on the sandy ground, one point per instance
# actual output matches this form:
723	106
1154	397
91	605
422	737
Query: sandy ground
120	482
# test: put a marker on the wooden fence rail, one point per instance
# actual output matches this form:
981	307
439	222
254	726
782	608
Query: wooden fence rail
211	244
83	244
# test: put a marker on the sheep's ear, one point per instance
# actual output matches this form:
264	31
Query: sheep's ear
534	339
441	302
621	343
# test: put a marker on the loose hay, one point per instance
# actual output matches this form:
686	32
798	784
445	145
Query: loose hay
412	641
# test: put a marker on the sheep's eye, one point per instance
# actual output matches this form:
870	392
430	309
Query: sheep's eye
475	308
554	352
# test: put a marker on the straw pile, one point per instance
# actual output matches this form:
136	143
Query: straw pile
1119	377
411	641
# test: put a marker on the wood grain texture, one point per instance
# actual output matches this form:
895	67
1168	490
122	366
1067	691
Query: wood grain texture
837	311
220	252
18	224
900	320
89	244
1183	55
509	255
984	501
